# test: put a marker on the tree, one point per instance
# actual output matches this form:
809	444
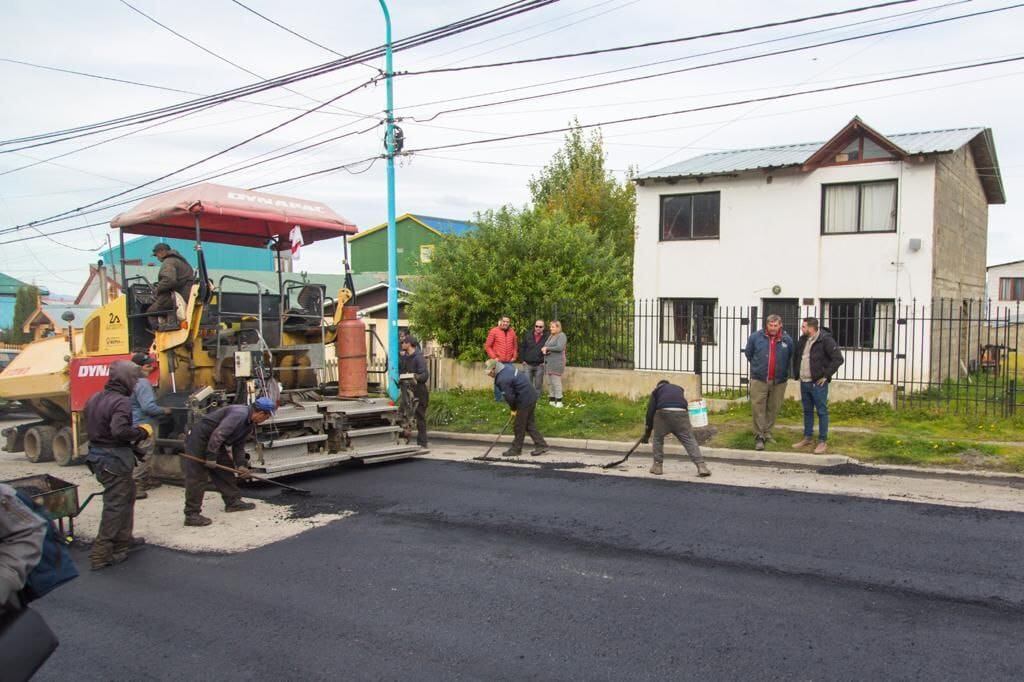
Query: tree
518	263
576	183
24	305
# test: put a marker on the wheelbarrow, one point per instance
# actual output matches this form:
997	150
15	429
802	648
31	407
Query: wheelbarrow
59	498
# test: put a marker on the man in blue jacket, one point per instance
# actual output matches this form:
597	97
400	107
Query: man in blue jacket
145	410
769	352
210	439
521	397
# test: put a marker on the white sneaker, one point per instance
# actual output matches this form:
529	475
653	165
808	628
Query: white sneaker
558	404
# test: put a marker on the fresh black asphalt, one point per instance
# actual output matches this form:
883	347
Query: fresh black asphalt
470	571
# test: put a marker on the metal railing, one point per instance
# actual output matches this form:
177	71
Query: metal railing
958	355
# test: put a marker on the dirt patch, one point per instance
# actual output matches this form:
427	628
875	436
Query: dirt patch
975	459
849	470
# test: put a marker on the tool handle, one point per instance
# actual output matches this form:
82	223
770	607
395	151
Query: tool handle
251	475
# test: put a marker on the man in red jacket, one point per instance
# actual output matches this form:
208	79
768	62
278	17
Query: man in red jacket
502	345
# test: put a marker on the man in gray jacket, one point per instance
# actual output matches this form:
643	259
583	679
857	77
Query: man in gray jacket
22	532
176	276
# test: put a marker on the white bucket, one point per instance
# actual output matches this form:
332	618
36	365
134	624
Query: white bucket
698	413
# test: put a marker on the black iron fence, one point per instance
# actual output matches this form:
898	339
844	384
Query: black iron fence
959	355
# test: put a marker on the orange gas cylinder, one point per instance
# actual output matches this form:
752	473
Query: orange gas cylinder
350	347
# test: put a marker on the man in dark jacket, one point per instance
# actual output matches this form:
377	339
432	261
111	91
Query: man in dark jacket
667	413
176	276
209	440
111	458
815	361
521	397
413	365
531	355
769	352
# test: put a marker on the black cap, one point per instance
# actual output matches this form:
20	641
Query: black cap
141	359
162	246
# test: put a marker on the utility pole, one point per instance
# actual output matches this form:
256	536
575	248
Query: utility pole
389	145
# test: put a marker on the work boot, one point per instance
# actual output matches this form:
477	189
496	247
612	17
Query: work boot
99	563
656	469
137	543
759	443
512	452
538	451
239	506
149	484
820	448
140	494
802	443
702	469
197	520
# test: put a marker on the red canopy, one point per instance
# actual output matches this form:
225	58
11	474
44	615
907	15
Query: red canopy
228	215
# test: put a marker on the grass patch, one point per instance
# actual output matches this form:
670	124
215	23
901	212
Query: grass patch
915	437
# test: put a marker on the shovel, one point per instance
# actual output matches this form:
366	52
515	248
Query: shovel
289	488
503	430
620	461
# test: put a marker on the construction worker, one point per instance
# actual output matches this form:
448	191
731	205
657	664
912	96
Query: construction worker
411	361
145	410
521	396
111	458
176	276
209	440
667	413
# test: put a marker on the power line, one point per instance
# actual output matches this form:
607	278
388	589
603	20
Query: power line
655	43
698	67
720	105
685	58
476	21
200	161
214	54
264	17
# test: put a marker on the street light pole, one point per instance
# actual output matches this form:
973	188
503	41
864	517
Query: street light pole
389	143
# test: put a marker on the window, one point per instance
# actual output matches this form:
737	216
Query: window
1011	288
689	216
679	319
858	207
861	148
860	323
426	253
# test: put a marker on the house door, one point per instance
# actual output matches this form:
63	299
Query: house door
786	308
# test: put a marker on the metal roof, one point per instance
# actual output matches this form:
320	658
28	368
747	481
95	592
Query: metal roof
446	225
781	156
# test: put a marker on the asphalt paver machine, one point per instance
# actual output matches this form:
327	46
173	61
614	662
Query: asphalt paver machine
236	339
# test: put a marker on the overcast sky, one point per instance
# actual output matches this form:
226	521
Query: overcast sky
105	37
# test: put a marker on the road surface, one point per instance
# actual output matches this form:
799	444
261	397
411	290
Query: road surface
461	570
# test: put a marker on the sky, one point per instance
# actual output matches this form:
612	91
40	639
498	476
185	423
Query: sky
108	38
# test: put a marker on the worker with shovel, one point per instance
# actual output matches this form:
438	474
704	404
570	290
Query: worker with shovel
521	396
667	413
209	441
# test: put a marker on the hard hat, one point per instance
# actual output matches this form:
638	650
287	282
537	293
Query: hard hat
264	404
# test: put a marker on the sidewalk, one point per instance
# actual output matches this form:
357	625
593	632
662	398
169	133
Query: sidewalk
789	460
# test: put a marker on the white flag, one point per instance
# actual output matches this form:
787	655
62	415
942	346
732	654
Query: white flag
296	236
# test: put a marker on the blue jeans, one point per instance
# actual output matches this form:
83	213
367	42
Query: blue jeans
815	399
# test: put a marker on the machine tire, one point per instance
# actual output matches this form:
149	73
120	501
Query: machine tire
39	443
65	452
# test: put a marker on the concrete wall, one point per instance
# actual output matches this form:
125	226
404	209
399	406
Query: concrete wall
638	384
961	228
621	382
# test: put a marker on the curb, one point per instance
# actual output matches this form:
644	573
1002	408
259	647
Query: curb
793	460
